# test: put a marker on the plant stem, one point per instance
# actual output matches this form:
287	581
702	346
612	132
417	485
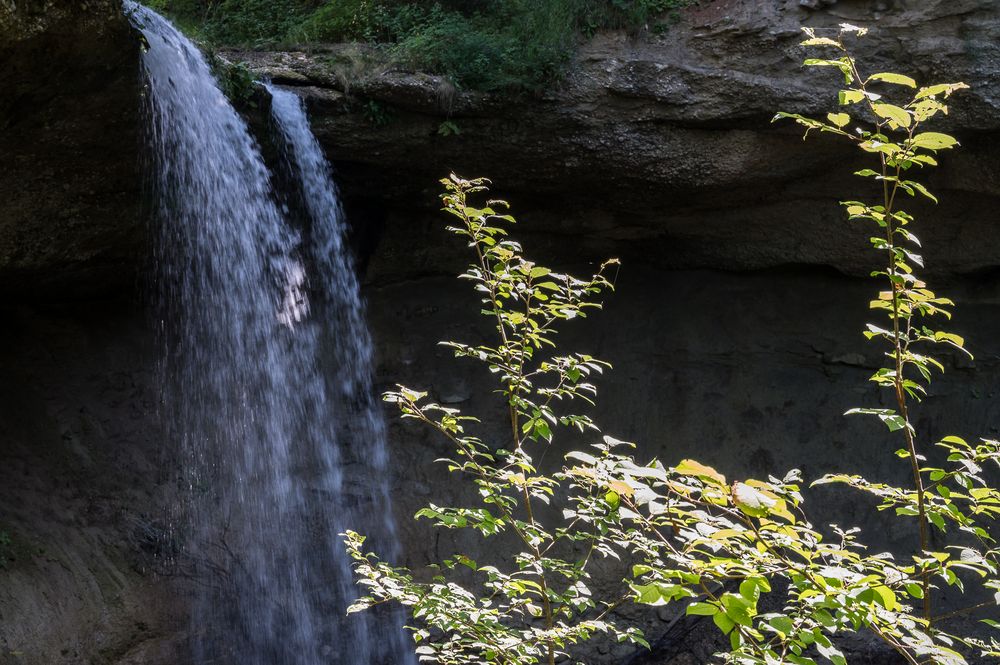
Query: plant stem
514	384
897	341
888	198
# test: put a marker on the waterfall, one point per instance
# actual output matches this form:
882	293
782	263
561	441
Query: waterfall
266	378
350	343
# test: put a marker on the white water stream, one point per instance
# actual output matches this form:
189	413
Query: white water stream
266	378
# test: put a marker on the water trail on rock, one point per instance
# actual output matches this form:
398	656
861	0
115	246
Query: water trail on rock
251	308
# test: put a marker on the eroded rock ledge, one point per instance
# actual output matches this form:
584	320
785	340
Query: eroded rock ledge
660	148
656	148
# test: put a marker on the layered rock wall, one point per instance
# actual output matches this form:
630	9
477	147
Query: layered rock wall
660	147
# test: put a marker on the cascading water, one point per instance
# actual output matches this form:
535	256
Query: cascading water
266	378
348	339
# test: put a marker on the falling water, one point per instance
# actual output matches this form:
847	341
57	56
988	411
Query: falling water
347	334
266	378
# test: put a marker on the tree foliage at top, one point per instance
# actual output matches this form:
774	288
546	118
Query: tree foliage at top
483	44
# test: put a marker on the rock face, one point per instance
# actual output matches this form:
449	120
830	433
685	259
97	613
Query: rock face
732	341
82	510
750	373
69	149
660	148
656	147
80	459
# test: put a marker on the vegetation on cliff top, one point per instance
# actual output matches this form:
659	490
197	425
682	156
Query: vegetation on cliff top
482	44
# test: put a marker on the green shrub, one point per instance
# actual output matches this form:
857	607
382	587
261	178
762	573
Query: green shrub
349	20
686	535
253	22
236	81
482	44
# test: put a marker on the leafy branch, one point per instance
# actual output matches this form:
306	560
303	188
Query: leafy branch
893	135
686	534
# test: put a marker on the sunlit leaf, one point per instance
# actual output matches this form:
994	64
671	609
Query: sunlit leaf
933	141
896	115
689	467
889	77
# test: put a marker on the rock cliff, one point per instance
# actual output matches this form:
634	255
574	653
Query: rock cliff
79	450
660	148
655	147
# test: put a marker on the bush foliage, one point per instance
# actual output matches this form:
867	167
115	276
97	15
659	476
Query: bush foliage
740	551
484	44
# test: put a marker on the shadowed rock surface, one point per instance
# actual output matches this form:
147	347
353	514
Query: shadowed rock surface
69	149
84	478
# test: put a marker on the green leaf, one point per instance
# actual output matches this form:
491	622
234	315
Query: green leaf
950	338
752	501
648	594
937	520
842	64
851	96
690	467
702	609
586	458
724	623
889	77
933	141
920	188
660	594
945	89
542	429
782	624
739	609
891	419
839	119
641	569
895	115
831	653
886	598
750	590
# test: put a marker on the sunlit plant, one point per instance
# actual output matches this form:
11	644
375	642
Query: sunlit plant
686	535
